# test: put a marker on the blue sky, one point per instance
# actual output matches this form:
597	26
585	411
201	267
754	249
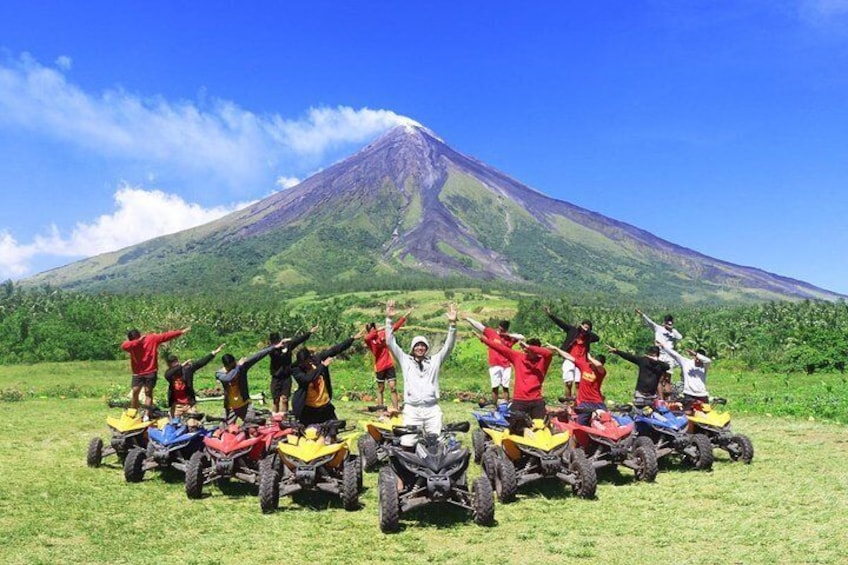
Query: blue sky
718	125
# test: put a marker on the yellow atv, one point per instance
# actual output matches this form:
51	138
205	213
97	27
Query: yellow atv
704	419
129	430
313	458
528	450
378	434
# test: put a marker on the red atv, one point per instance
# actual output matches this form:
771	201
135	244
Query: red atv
234	452
609	440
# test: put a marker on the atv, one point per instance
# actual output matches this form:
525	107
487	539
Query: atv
234	452
668	430
129	431
495	419
170	447
312	458
528	450
431	469
378	433
609	440
716	426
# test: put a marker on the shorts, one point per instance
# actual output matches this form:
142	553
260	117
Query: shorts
183	409
641	400
534	408
281	386
241	412
318	415
145	380
500	376
570	372
387	375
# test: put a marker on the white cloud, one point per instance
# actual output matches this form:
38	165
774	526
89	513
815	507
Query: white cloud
287	182
214	137
64	62
139	215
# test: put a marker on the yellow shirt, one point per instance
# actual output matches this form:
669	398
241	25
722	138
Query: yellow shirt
234	399
316	394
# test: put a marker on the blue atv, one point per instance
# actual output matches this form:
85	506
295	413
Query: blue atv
669	431
168	448
496	418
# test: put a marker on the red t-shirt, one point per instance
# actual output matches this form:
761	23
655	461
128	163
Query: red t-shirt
376	342
143	351
579	348
529	375
180	395
591	379
497	359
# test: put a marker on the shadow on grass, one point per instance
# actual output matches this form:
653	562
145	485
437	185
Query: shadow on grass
550	489
441	516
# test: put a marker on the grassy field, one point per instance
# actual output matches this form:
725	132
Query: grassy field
787	507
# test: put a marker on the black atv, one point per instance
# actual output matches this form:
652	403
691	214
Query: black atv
433	469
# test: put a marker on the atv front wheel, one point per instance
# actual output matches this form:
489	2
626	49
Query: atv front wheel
646	463
269	486
94	456
134	465
699	452
350	485
586	482
490	466
506	484
478	442
368	452
740	448
389	503
483	502
194	475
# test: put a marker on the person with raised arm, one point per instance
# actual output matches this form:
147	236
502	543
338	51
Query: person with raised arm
531	365
578	340
180	376
384	365
693	371
589	395
233	375
666	337
281	367
651	369
500	368
420	372
313	400
144	360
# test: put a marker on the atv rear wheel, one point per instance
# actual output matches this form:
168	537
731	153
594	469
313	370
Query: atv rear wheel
646	463
699	453
134	465
506	483
483	502
368	452
94	456
740	448
269	486
478	442
350	485
586	478
389	503
194	475
642	441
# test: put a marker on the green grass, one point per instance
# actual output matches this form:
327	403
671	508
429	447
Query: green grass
787	507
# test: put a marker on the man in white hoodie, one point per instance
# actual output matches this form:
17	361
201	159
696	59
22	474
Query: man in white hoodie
693	370
420	373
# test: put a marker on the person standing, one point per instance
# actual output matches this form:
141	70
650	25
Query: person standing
144	360
384	365
651	369
233	375
531	365
313	400
180	376
281	367
589	395
666	337
693	371
578	340
500	368
420	373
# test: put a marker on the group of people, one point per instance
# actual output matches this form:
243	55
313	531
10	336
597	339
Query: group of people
582	371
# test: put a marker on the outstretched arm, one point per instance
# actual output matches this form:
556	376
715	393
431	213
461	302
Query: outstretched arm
254	359
391	342
672	353
646	320
560	352
450	340
335	350
475	324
